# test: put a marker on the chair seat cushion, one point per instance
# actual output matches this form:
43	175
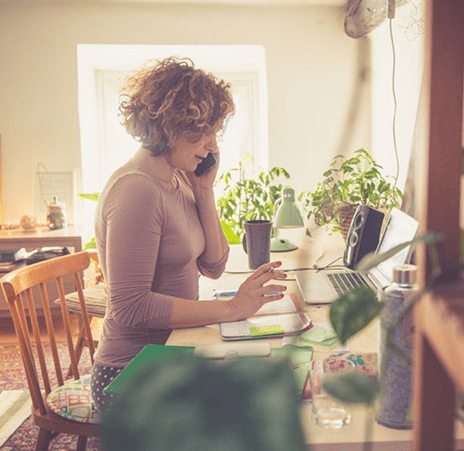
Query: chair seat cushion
73	400
95	301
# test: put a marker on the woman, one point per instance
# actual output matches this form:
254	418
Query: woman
156	223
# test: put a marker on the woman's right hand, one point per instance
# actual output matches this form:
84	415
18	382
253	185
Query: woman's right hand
254	292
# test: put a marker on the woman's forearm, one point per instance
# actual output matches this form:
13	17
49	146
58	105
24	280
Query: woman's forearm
216	242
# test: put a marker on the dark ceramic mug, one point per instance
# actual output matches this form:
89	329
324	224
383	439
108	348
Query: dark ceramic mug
257	242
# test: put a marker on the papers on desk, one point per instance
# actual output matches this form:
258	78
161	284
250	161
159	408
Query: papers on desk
275	319
340	362
321	337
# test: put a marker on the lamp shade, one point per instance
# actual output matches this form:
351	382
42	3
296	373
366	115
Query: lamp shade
287	216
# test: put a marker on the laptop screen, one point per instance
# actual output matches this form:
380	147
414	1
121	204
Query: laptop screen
400	228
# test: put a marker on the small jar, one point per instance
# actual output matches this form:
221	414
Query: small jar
56	216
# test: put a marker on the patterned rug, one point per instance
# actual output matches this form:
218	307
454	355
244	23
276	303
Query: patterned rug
17	432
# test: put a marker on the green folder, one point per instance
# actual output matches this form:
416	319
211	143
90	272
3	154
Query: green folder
148	355
299	355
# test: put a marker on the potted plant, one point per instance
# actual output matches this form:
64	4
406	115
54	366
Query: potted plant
349	183
247	198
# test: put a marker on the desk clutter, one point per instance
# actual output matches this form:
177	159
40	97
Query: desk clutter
12	258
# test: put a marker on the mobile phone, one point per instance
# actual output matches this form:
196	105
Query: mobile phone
207	163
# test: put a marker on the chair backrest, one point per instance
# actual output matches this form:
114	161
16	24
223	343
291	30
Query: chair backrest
26	292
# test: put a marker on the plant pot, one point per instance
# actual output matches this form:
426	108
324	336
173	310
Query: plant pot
345	215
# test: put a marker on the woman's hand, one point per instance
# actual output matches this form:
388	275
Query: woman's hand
206	180
253	293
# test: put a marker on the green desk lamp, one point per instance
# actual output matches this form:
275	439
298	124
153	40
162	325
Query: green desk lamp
287	216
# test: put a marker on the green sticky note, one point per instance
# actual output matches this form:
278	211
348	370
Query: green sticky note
329	343
272	329
318	334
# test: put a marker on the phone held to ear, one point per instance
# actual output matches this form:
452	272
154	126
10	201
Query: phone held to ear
207	163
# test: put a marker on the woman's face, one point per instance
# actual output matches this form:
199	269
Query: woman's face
190	150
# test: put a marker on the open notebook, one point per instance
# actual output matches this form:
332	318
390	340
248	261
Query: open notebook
274	319
327	285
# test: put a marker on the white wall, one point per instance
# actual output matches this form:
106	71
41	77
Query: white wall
400	63
312	66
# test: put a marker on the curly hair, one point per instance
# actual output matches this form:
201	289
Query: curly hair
173	99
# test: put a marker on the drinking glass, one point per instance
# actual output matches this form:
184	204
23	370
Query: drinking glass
325	410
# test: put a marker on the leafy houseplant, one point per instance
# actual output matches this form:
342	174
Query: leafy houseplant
347	184
246	198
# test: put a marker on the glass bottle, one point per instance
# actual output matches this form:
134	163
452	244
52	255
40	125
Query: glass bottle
394	407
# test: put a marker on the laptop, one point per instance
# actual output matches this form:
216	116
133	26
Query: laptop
327	285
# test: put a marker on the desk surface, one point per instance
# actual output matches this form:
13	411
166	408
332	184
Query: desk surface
350	437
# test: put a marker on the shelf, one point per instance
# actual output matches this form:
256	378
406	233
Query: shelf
441	314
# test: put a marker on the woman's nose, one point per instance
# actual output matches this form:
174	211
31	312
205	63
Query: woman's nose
211	145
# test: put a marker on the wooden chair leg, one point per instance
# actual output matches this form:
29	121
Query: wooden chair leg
81	443
43	440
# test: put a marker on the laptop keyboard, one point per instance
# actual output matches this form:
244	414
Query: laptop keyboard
344	282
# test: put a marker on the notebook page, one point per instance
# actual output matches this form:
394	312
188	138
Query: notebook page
286	323
283	305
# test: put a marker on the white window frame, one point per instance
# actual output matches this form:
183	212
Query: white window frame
243	65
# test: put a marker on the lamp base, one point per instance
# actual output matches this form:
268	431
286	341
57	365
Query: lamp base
282	245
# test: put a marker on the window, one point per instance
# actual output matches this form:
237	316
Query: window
101	71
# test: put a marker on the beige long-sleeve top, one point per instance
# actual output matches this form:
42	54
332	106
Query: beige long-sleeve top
149	239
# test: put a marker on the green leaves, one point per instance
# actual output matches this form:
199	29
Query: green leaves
232	237
353	311
90	196
246	198
350	182
92	244
352	388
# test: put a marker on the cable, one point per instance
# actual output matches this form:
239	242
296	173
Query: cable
321	253
309	268
395	107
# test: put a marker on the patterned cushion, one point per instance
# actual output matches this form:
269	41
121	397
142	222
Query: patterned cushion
73	400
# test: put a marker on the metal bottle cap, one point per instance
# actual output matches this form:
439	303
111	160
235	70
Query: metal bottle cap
404	274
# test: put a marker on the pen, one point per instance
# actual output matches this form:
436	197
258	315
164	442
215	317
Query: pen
231	293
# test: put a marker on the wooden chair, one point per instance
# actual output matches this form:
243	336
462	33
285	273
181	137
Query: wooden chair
95	300
26	291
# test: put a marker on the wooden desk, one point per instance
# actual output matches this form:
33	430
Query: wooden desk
41	237
350	437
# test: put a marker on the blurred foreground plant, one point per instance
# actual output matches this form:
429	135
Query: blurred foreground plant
352	312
